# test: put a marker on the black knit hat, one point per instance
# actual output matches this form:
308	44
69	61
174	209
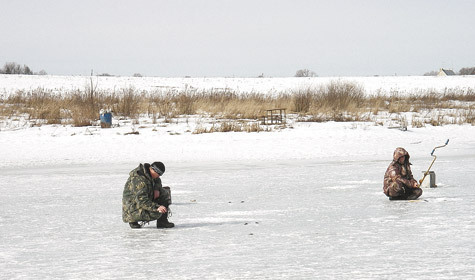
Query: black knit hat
158	167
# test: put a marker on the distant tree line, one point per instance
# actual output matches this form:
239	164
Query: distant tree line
305	73
463	71
467	71
14	68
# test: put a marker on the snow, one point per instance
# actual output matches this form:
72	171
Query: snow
303	202
373	85
301	219
58	145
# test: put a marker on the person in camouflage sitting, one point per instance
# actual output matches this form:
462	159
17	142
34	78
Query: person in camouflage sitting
398	180
144	199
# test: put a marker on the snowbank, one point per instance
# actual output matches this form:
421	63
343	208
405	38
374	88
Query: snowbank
59	145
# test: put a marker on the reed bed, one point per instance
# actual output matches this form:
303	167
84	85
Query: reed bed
335	101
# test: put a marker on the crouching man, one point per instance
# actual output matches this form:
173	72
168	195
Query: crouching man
399	183
144	199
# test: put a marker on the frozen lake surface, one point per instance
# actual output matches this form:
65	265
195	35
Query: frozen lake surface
303	219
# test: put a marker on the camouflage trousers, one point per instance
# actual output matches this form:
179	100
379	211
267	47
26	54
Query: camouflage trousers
142	215
165	197
400	191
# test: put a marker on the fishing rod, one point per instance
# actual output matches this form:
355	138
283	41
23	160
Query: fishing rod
435	157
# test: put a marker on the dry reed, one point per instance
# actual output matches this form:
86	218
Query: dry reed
335	101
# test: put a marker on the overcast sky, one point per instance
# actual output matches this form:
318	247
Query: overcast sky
241	38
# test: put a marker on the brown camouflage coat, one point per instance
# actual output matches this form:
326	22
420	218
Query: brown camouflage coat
398	176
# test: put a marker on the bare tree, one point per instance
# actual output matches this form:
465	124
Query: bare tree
11	68
467	71
27	70
305	73
15	68
431	73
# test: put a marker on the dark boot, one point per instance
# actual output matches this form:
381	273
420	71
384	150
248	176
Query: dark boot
415	194
135	225
163	222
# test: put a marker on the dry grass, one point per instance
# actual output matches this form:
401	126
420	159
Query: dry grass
468	116
232	126
417	122
302	100
335	101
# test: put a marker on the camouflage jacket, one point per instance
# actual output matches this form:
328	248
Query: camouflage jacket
398	173
137	200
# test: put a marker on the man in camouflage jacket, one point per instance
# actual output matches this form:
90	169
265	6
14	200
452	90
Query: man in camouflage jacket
144	199
398	180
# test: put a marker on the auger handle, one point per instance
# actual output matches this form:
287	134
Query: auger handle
446	142
435	157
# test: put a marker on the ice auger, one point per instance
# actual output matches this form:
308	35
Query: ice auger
435	157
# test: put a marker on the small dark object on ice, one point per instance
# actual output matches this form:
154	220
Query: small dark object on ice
133	132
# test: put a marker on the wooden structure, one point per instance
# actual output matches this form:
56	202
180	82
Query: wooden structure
274	116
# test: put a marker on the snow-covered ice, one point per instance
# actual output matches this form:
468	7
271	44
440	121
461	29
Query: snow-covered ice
302	219
300	203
